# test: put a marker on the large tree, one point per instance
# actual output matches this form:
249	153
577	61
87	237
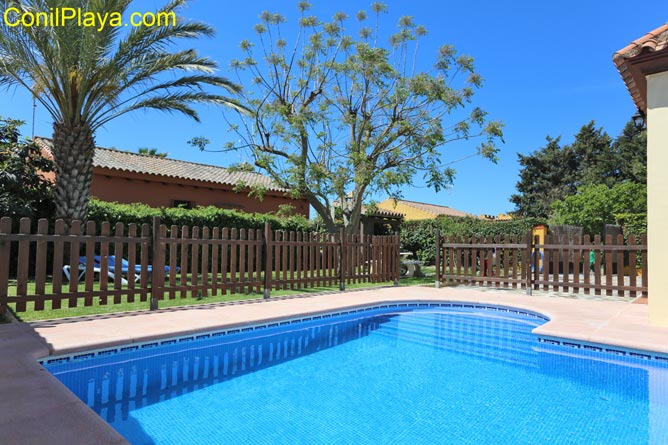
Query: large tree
546	175
631	149
596	161
557	171
339	116
85	76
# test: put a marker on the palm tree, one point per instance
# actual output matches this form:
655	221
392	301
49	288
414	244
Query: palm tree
86	77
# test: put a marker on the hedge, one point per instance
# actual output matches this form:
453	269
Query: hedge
632	223
419	236
101	211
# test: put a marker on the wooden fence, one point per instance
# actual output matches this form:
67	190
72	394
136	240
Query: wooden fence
148	263
580	265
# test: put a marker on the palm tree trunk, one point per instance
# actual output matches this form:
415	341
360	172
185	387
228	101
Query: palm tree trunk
73	148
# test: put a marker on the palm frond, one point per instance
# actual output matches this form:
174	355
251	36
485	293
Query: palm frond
82	74
177	102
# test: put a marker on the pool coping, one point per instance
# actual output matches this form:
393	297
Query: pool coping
62	418
399	306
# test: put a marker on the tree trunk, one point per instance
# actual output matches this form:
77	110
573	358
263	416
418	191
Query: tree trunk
354	217
353	227
73	148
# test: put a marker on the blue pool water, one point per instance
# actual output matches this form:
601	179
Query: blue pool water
451	375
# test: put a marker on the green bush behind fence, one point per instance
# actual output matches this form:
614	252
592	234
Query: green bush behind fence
101	211
419	236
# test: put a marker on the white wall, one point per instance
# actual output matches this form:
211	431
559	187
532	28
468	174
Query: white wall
657	197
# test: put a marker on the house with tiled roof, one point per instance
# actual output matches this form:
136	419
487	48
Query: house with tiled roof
413	210
643	65
126	177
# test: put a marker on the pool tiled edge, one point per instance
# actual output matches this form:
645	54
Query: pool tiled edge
65	358
587	322
603	349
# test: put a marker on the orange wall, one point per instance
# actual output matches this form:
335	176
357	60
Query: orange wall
127	187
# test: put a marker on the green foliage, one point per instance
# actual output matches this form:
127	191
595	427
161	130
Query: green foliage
595	160
338	117
632	224
101	211
544	178
23	192
419	237
631	146
86	76
96	74
152	152
241	167
596	205
555	172
199	142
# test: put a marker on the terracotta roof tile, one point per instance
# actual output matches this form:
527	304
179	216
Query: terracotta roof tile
382	212
626	59
173	168
651	42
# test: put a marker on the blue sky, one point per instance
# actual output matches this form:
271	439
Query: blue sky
547	67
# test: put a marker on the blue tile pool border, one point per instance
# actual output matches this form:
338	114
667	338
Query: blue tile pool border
557	341
604	349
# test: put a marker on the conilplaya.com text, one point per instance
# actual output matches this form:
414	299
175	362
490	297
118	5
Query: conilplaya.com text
57	17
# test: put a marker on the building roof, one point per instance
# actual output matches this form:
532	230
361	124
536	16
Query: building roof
434	209
172	168
644	56
381	213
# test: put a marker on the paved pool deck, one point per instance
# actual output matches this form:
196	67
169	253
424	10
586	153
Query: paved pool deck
38	409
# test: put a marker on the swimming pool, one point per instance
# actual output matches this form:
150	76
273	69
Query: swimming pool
401	373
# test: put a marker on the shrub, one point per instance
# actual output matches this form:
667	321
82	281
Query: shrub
594	206
632	224
101	211
419	237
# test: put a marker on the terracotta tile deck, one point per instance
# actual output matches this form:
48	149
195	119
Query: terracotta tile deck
41	410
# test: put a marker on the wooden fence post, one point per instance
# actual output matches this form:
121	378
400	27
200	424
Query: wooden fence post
342	260
5	250
533	261
437	284
539	261
396	258
156	273
268	269
22	266
644	265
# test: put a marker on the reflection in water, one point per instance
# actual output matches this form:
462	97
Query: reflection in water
115	385
658	403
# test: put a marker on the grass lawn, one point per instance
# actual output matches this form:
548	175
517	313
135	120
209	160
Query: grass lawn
48	313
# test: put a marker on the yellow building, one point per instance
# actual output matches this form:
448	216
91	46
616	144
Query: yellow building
417	210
